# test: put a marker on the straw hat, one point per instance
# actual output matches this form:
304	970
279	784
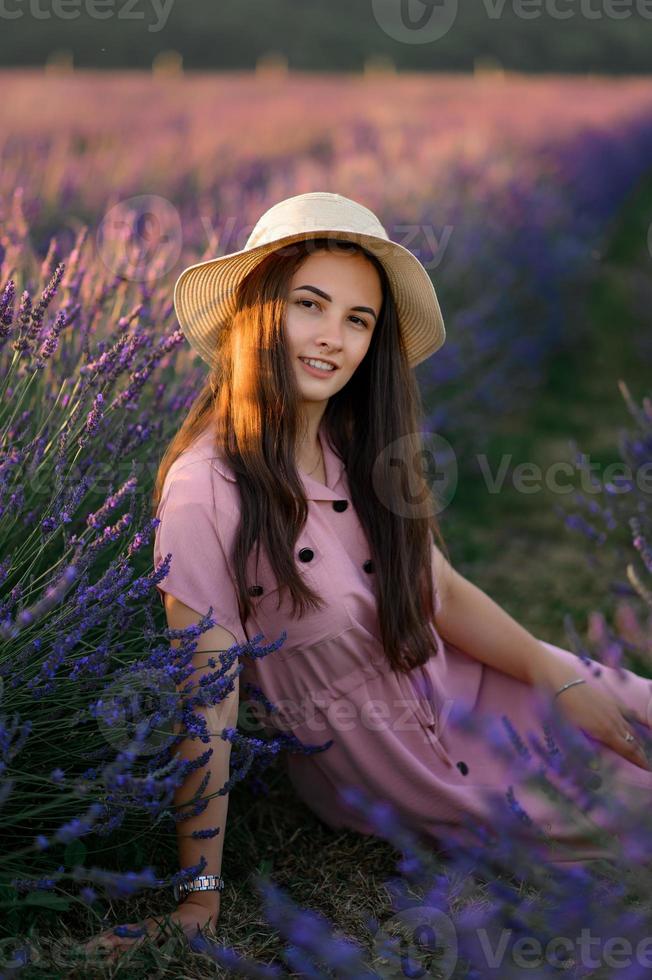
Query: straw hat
204	294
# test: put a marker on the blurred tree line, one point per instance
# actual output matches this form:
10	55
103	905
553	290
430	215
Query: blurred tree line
611	36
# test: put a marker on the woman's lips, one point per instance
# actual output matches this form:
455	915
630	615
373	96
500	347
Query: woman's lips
317	372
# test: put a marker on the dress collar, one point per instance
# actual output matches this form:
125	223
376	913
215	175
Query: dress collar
334	466
335	488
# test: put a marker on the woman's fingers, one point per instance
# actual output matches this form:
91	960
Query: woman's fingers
627	726
109	943
103	940
623	740
633	717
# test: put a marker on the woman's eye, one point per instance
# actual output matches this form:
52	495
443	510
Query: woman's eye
312	303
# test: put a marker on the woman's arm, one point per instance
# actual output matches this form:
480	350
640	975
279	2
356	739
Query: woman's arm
471	620
220	716
198	909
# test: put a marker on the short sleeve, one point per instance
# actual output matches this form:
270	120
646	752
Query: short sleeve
199	575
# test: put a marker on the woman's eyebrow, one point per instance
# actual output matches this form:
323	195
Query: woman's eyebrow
320	292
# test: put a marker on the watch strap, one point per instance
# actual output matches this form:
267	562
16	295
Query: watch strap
202	883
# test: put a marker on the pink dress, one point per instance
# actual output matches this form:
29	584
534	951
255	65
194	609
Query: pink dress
398	737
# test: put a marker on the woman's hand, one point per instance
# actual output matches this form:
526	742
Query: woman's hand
189	914
603	717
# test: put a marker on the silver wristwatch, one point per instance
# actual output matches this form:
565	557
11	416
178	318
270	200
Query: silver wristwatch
203	883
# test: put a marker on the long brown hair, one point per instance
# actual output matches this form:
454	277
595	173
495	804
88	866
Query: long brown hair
251	401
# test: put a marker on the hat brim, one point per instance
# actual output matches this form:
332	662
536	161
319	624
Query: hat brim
205	293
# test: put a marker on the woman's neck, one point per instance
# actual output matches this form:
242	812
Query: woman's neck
309	456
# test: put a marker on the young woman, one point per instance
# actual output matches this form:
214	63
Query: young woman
292	502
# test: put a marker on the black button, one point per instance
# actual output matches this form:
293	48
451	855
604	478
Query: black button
306	554
340	505
368	565
255	590
463	768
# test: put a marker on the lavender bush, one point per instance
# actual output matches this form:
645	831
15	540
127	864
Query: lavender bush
614	523
89	681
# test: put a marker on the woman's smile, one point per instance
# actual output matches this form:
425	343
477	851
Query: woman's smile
317	372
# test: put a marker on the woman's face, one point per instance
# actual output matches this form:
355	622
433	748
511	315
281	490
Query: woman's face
334	301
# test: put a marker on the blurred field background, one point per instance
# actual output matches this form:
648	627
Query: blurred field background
510	188
529	199
574	36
